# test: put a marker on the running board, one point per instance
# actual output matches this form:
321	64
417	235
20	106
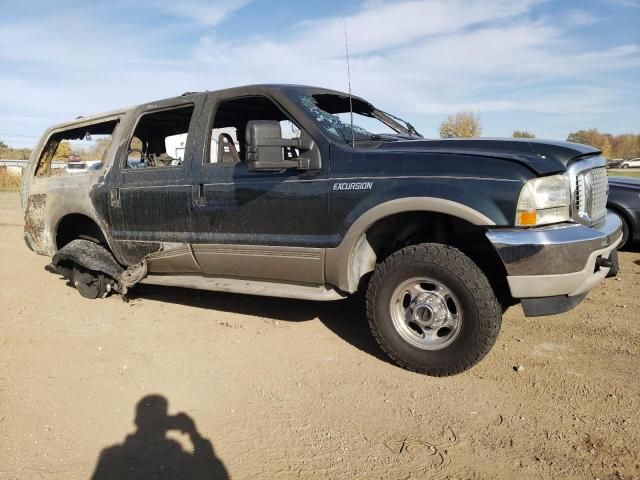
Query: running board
250	287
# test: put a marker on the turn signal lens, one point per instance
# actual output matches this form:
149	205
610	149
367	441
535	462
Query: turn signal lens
527	218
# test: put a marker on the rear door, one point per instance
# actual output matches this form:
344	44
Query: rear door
150	194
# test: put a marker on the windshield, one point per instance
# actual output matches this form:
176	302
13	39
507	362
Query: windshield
332	113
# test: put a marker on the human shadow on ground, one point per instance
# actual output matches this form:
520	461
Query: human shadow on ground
149	454
345	318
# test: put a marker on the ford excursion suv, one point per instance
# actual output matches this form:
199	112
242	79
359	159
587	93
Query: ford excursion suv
276	190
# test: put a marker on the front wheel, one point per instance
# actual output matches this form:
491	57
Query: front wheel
432	310
624	165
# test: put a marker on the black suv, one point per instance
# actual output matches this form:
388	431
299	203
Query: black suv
274	190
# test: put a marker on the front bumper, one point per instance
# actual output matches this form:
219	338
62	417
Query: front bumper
564	260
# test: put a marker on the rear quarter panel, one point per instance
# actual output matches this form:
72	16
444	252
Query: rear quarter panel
46	200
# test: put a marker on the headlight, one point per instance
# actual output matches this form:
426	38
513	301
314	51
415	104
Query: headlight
544	200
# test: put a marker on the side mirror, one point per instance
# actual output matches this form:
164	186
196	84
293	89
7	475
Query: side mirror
264	148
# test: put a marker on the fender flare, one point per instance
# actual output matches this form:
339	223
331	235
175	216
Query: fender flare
353	257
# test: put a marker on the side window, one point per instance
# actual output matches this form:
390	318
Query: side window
227	141
76	150
160	139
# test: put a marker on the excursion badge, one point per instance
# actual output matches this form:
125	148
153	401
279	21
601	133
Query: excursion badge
353	186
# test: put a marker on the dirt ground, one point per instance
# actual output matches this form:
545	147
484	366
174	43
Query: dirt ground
298	389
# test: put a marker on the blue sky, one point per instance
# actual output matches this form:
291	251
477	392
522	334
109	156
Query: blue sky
549	67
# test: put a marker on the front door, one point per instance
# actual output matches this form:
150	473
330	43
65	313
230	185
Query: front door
255	224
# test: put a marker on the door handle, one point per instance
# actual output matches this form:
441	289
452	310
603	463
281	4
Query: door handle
114	197
198	194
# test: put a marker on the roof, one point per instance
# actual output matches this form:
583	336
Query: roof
82	120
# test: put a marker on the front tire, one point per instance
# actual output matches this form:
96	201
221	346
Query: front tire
432	310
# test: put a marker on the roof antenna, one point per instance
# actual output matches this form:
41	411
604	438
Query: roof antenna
346	46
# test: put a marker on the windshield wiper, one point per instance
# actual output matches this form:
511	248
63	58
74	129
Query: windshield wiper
413	129
403	124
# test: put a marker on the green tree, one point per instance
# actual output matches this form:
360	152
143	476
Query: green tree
523	134
464	124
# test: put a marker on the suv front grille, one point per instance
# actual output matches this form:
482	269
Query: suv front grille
592	190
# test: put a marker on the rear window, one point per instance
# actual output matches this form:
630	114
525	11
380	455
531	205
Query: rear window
78	149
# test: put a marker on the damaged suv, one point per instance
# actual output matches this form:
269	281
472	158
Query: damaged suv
274	190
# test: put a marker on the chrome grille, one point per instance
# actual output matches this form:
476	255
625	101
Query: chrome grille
591	192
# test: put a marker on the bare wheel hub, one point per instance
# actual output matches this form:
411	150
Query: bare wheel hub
426	313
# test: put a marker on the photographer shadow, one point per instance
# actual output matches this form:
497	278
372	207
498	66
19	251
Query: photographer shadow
149	454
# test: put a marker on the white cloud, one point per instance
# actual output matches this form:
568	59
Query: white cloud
576	101
204	12
404	53
418	58
395	24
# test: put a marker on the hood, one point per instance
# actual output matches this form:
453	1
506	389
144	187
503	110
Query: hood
541	156
625	181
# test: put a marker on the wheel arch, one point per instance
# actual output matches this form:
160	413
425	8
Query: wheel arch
72	226
366	240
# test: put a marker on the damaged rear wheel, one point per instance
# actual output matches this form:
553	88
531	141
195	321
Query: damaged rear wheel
89	284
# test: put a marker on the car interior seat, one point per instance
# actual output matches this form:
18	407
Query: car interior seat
227	151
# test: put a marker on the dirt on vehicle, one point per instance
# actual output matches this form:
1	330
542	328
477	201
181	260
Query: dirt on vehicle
185	382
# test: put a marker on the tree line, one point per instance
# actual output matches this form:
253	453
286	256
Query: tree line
467	124
11	153
623	146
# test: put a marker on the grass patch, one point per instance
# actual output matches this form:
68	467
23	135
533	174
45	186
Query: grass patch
624	172
9	181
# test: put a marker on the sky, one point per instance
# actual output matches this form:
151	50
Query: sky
548	67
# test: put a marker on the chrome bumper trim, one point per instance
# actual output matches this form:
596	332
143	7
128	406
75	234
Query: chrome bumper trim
553	250
556	260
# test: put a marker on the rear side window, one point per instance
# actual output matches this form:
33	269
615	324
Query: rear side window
160	139
76	150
